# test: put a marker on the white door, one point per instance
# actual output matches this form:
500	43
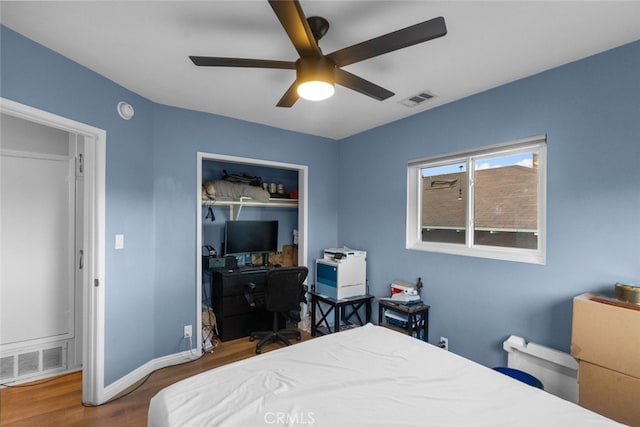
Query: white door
37	288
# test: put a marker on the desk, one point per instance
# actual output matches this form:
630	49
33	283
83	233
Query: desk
234	316
343	311
417	315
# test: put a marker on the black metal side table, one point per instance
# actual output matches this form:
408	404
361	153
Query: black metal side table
417	318
345	313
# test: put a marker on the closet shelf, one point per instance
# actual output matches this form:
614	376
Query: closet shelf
235	206
274	202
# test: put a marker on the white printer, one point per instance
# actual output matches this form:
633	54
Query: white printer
342	273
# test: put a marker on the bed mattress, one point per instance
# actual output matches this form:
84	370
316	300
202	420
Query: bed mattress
367	376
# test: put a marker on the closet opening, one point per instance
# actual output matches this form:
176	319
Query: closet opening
274	191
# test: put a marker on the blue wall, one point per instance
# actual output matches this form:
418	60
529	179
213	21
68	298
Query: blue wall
38	77
590	111
150	289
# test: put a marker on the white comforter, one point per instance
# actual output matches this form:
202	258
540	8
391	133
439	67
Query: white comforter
368	376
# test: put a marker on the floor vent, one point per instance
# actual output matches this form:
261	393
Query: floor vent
6	367
26	364
52	358
417	99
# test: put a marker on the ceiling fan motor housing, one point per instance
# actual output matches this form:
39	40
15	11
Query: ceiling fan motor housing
315	69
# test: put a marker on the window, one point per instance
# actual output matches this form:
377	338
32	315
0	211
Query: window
489	202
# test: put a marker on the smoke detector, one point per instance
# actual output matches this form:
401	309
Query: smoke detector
125	110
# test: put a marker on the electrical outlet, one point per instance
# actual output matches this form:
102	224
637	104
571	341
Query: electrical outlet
187	331
444	343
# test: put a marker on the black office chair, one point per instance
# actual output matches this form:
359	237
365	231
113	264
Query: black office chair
283	293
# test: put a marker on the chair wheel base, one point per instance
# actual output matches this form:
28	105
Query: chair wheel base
281	336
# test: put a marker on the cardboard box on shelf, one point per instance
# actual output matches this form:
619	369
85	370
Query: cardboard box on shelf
288	257
606	334
610	393
287	254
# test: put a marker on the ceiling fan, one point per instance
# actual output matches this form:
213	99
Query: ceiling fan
317	73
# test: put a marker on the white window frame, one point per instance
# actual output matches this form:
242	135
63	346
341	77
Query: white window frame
414	241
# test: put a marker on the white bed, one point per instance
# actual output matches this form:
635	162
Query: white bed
367	376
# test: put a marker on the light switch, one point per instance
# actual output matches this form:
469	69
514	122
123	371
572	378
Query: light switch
119	241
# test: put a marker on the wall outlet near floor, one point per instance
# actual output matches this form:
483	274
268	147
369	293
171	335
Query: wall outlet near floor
187	331
444	343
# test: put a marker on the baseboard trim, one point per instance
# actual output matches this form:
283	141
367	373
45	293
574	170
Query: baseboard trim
121	385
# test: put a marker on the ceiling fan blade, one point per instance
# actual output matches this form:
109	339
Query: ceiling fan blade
361	85
292	18
399	39
208	61
290	96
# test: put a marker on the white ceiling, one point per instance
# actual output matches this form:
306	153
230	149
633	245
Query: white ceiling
144	46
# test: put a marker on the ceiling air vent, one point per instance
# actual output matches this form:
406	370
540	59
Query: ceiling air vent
417	99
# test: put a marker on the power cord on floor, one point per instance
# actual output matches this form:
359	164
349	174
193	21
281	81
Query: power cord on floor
210	331
88	405
142	382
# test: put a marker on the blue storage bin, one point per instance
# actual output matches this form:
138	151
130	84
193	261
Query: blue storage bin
521	376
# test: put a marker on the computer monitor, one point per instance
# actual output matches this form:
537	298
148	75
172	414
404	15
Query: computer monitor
251	237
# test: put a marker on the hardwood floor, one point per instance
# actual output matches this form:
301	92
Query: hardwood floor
58	401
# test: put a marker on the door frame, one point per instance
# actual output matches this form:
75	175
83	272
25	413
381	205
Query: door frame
94	237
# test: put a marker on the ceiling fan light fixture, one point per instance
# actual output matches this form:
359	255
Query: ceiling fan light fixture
315	77
315	90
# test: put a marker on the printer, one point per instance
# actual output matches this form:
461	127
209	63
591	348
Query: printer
342	273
